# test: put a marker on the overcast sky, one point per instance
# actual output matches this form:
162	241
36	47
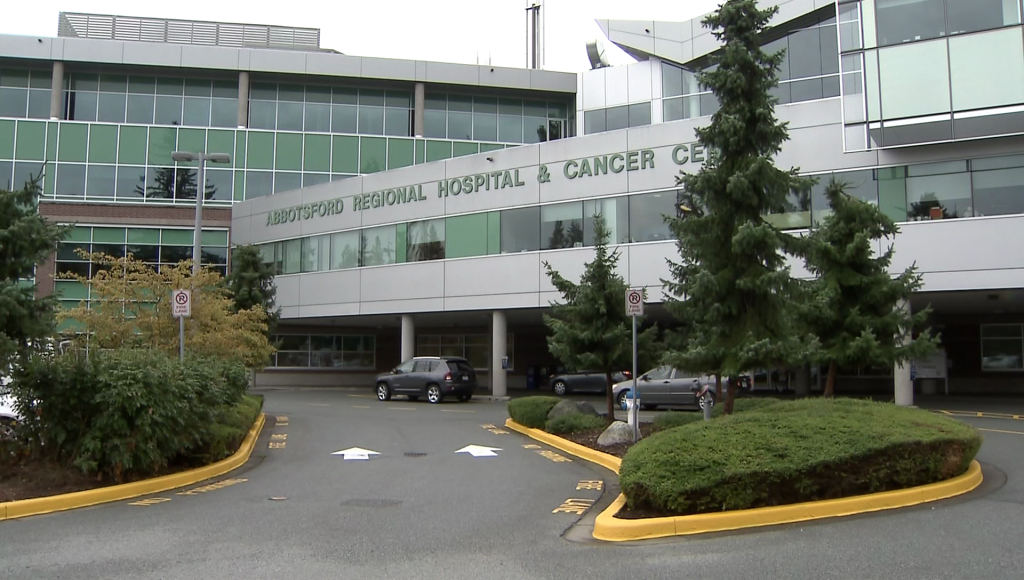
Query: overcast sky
443	30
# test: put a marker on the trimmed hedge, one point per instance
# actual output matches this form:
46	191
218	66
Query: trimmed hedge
232	424
532	411
574	423
790	452
672	419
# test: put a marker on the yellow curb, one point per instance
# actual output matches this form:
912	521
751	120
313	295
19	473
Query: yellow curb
609	528
44	505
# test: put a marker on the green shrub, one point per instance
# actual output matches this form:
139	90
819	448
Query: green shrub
672	419
790	452
124	413
232	424
532	411
573	423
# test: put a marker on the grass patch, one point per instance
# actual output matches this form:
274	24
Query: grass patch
532	411
790	452
573	423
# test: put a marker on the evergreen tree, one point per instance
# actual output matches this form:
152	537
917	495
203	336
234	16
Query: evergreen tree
855	308
730	287
26	239
590	329
251	283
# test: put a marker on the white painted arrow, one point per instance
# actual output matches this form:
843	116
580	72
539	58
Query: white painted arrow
355	453
479	451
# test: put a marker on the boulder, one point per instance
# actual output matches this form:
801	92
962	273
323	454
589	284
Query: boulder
568	407
617	432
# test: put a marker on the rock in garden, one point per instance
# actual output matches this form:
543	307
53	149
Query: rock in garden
567	407
617	432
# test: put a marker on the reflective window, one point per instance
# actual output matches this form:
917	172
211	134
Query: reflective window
478	118
916	79
345	250
900	21
25	93
520	230
998	82
938	191
615	211
323	109
561	225
426	240
349	352
1002	347
114	98
998	192
647	213
378	246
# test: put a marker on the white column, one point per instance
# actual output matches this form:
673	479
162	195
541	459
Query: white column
499	336
418	106
408	337
903	385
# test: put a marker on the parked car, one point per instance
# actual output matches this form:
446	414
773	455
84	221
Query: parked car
671	387
8	416
584	381
432	377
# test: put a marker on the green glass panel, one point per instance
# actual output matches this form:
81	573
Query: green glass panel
493	232
161	145
80	234
400	153
892	198
176	237
103	144
48	182
260	150
108	235
73	142
289	152
317	153
220	141
6	139
52	129
215	237
460	148
373	154
71	289
31	145
345	154
401	247
240	139
191	141
131	146
465	235
421	147
144	236
69	324
239	185
438	150
485	147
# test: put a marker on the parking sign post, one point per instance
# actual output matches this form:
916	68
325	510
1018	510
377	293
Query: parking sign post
181	308
635	308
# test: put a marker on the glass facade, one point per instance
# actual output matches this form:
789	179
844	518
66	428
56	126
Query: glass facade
24	93
902	21
612	118
324	109
339	352
148	100
1002	347
476	348
809	71
478	118
157	247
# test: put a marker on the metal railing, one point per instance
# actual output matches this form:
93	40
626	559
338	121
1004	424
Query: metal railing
197	32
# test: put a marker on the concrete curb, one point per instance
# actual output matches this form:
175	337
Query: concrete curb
609	528
44	505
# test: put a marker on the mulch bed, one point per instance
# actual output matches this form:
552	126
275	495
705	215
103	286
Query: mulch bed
589	439
41	479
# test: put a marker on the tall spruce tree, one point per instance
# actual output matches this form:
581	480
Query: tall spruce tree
26	239
730	287
590	329
251	283
855	310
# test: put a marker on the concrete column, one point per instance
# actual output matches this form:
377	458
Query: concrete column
57	90
243	99
499	336
903	384
419	104
408	337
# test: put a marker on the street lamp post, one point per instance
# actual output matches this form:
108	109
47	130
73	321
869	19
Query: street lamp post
202	158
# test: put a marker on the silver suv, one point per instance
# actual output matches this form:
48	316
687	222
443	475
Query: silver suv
433	377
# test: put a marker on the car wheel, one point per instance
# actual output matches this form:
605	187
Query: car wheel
6	430
383	392
434	394
414	398
560	388
621	399
464	398
708	400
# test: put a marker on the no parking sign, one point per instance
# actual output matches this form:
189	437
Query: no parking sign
181	303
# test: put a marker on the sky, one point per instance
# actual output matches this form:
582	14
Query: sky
463	31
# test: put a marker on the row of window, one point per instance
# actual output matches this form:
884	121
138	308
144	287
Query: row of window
621	117
340	352
25	93
322	109
1002	347
476	348
900	21
493	119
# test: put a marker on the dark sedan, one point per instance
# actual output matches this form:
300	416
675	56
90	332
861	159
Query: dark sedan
584	381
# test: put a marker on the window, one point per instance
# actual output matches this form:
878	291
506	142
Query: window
615	211
426	240
995	83
25	93
916	80
900	21
345	352
561	225
476	348
344	250
647	214
520	230
113	98
938	191
1002	347
377	246
323	109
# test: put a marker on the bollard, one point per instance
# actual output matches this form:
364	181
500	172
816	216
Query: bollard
707	408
